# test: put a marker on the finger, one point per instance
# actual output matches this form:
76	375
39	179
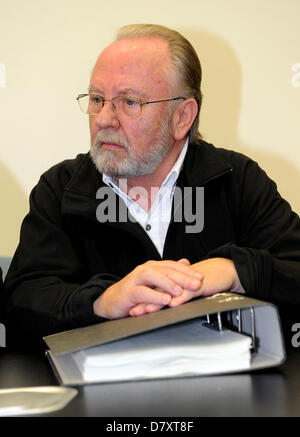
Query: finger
151	308
184	261
185	296
142	309
182	266
169	279
185	281
161	279
145	295
138	310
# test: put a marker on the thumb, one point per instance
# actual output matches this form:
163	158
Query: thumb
184	261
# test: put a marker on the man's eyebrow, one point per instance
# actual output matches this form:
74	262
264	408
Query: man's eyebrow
133	92
123	91
92	89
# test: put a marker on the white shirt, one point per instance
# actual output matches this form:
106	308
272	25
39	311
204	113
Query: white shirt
156	221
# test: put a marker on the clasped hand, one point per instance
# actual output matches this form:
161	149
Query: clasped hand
155	284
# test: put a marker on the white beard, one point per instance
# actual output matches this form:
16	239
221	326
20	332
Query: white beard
134	164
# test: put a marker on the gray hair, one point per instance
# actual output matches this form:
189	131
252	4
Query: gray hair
184	59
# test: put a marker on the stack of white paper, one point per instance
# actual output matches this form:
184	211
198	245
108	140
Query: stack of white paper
188	348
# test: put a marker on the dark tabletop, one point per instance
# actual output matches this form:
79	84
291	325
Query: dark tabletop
271	392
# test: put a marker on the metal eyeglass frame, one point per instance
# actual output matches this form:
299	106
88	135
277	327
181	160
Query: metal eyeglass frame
141	103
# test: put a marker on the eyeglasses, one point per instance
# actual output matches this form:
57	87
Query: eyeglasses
92	104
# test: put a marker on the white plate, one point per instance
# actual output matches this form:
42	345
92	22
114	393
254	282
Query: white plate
34	400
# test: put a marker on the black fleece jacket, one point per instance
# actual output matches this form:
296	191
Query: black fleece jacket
66	257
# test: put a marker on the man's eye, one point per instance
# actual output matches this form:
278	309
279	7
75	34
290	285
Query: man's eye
96	99
130	102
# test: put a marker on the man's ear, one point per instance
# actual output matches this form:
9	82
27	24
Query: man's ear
183	118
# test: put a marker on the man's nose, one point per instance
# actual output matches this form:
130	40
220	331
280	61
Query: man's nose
108	116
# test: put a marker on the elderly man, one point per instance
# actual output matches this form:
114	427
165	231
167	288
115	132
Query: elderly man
153	216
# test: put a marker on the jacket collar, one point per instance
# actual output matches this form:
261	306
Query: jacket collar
86	179
202	164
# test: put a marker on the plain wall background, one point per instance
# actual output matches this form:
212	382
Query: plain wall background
250	55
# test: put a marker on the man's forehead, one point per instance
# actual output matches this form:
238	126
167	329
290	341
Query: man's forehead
132	62
141	49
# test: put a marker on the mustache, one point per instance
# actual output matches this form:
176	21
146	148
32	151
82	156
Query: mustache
110	137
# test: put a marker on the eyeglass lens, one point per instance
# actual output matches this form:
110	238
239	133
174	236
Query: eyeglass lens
93	104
